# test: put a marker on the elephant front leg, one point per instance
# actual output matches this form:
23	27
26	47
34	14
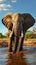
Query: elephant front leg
10	44
16	44
21	43
10	41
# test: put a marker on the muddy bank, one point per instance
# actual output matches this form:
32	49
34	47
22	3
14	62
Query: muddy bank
5	42
30	42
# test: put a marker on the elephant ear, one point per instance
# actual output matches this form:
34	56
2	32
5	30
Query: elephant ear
29	20
11	26
9	16
7	21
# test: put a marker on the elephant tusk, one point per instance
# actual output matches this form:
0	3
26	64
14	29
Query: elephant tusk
22	34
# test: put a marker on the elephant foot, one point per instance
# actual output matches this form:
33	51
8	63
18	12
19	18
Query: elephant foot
10	50
14	51
21	49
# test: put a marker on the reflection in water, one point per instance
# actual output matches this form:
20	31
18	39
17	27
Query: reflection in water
16	59
26	57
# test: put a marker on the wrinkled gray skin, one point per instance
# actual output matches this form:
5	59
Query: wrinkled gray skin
24	22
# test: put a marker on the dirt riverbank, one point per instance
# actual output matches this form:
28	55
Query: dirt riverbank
28	42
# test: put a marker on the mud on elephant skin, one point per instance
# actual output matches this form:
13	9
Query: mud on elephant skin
18	24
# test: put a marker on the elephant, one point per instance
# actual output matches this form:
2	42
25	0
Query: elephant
18	24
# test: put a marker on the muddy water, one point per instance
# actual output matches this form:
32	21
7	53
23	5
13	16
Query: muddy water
26	57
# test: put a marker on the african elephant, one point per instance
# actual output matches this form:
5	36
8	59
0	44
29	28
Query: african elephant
18	24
